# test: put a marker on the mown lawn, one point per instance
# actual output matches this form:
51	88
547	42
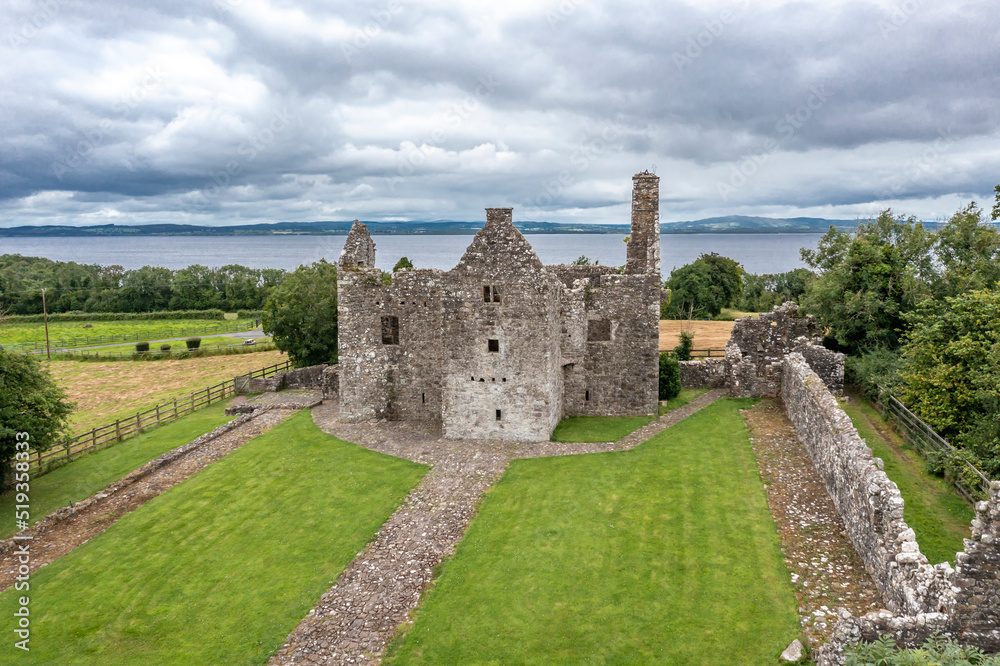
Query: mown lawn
938	516
35	331
84	477
613	428
665	554
107	390
219	569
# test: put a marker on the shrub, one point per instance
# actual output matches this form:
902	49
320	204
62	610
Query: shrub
936	650
670	376
141	347
683	351
877	366
193	343
165	346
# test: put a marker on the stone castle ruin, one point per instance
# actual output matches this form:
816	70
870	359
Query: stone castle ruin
501	346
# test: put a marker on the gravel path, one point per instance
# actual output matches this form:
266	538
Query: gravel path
66	529
827	573
355	618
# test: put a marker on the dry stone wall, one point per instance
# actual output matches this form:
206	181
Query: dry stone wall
708	373
961	602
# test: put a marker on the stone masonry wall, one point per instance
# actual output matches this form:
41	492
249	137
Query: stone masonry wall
708	373
757	347
868	502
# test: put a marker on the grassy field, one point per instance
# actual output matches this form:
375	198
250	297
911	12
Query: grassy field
32	332
665	554
707	334
178	345
105	391
613	428
219	569
931	507
84	477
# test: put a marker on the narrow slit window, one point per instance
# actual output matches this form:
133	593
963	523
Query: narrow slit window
496	294
499	415
586	395
390	330
423	398
487	294
493	345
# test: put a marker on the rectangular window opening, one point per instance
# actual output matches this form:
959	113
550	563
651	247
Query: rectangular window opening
586	396
491	294
487	295
390	330
499	415
493	345
423	398
599	330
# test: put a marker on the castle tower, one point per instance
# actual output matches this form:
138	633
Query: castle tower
643	255
359	248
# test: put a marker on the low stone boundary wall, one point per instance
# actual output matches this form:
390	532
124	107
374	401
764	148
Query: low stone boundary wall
961	602
60	515
868	502
709	373
322	377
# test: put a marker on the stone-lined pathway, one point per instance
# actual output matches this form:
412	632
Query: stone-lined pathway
59	534
827	572
353	620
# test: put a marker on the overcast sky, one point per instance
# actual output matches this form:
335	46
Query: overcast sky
255	111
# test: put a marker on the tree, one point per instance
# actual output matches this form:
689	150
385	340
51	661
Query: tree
869	279
30	402
951	370
301	314
404	262
968	248
702	288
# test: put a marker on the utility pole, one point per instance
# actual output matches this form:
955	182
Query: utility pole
45	317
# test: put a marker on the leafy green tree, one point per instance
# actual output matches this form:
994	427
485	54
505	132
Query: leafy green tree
869	279
30	402
404	262
951	370
763	292
702	288
968	248
682	352
301	314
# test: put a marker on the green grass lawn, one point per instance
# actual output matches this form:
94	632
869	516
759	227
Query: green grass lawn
35	331
684	397
613	428
179	345
938	516
219	569
664	554
84	477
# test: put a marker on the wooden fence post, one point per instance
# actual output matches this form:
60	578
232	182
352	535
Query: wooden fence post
175	408
118	429
138	423
93	438
157	415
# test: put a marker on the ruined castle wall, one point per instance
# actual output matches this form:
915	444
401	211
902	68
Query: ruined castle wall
621	364
500	292
364	360
707	373
758	345
868	502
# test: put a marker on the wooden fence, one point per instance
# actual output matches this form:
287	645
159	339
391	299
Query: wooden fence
112	433
922	437
707	353
93	341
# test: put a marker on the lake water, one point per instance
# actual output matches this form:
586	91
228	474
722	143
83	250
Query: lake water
759	253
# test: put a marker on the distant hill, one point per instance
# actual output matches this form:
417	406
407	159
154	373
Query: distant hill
730	224
755	225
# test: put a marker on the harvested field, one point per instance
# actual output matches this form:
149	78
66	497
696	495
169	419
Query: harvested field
105	391
707	334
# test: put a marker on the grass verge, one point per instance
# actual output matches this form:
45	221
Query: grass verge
683	398
940	518
84	477
107	390
663	554
35	331
219	569
613	428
